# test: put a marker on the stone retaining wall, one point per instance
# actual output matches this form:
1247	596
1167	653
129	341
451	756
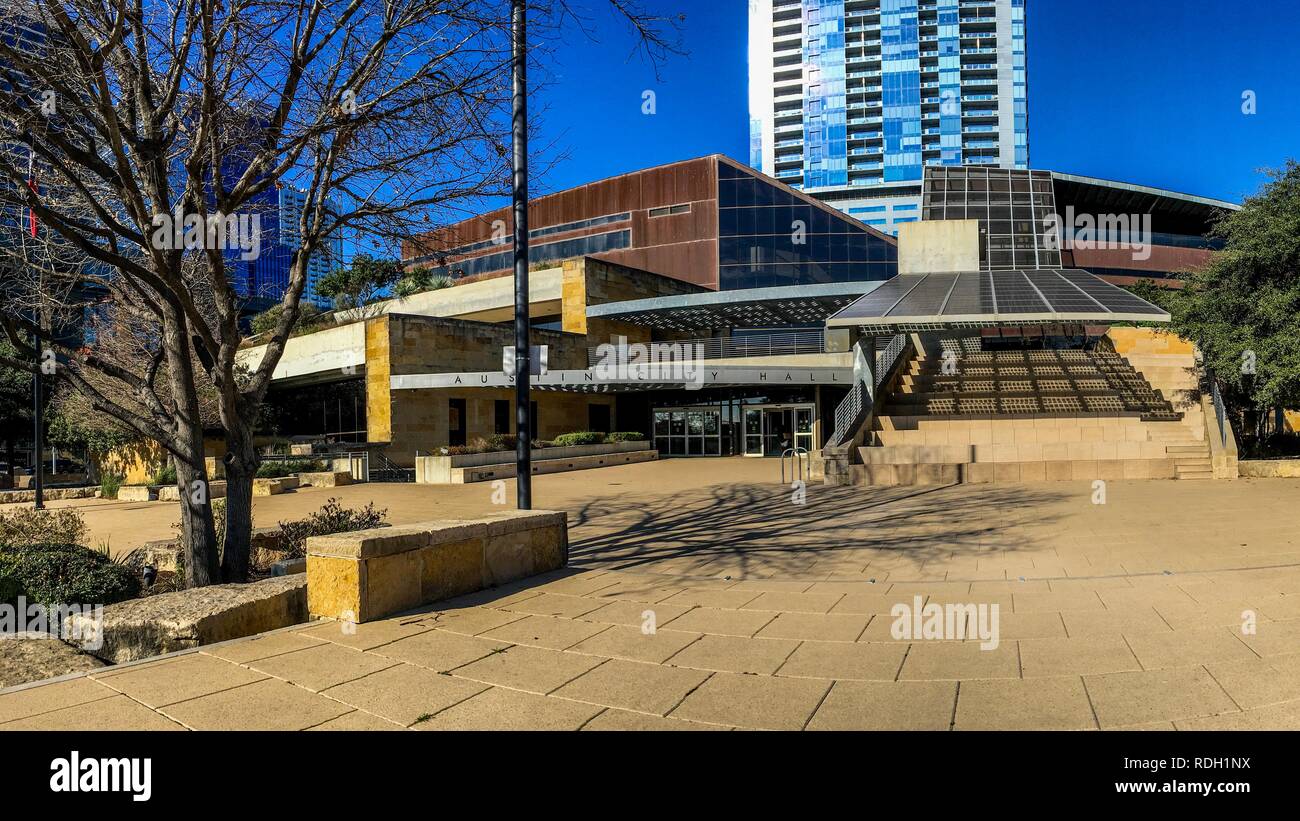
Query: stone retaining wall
143	628
369	574
1269	468
51	494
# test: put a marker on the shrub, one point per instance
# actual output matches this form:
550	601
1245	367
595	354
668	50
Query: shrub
10	587
109	484
166	476
586	437
625	436
66	574
496	443
27	526
332	518
278	469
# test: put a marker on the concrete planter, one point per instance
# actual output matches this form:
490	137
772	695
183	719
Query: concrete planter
482	467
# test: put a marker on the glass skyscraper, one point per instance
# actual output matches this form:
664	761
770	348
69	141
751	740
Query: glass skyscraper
850	100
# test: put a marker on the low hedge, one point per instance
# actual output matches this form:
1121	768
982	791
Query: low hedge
64	574
625	436
278	470
495	443
586	437
499	442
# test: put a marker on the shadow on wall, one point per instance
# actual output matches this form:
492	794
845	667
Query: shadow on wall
757	529
136	462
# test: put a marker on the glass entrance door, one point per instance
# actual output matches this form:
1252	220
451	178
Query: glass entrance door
770	430
753	432
778	431
803	428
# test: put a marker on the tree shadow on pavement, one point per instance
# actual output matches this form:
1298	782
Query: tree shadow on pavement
757	529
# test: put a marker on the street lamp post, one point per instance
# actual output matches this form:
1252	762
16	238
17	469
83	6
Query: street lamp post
523	368
38	466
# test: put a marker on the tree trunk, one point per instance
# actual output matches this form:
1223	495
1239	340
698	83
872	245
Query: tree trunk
241	469
199	536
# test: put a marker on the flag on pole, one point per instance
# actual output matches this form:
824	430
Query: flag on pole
33	184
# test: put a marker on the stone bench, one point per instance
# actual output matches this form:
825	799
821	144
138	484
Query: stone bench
172	493
274	487
369	574
137	493
328	478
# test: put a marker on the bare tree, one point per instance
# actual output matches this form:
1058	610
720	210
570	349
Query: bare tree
158	133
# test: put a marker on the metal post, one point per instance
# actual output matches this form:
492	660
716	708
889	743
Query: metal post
38	425
523	369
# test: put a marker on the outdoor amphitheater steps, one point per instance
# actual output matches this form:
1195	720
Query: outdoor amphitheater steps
915	443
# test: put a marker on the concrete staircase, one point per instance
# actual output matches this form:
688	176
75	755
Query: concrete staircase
1191	455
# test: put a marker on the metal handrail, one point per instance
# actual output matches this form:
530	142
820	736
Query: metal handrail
777	344
865	386
798	468
1220	410
846	411
885	359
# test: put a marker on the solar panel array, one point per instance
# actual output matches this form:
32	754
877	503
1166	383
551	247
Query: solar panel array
990	297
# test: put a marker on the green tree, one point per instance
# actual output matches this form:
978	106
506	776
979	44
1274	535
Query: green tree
1243	309
361	283
309	319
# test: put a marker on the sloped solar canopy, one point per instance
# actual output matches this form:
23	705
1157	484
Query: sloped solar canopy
973	299
781	306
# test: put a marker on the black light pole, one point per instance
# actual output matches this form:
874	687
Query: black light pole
38	477
523	369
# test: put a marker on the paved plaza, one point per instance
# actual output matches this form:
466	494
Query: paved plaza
701	596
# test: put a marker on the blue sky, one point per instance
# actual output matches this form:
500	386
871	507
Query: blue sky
1143	92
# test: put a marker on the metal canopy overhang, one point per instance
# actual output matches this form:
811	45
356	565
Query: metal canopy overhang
784	306
976	299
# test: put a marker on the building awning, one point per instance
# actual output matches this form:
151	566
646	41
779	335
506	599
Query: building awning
974	299
689	374
780	307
